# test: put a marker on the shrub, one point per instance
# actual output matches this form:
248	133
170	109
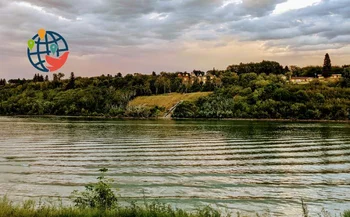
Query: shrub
346	213
99	195
185	110
156	111
138	111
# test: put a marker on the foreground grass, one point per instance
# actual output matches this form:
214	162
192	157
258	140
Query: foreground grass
166	100
100	200
31	209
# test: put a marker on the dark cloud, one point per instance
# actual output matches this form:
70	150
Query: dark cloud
325	24
95	26
261	7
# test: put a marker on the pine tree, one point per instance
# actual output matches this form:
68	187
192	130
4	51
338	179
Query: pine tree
286	69
40	78
71	83
327	66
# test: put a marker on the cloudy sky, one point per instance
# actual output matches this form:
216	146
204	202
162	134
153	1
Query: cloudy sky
110	36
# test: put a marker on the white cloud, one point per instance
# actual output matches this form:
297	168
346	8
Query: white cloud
293	5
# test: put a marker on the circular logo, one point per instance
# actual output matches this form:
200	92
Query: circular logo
47	51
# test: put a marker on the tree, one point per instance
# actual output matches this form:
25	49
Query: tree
196	86
198	73
71	83
311	71
327	66
2	82
162	82
55	77
346	77
60	76
289	75
185	109
286	69
38	78
296	71
267	67
46	78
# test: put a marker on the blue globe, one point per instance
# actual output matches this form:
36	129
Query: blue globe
41	48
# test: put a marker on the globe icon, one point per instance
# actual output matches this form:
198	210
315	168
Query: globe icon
41	49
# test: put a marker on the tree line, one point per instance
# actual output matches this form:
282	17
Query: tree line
262	96
252	90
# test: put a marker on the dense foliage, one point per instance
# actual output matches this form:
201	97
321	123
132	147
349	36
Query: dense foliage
103	95
251	95
253	90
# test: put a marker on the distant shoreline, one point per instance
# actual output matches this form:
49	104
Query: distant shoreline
174	119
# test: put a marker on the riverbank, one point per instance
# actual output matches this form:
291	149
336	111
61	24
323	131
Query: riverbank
162	118
31	209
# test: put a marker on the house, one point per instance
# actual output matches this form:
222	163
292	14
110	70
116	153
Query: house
187	77
336	76
184	76
300	80
320	76
333	76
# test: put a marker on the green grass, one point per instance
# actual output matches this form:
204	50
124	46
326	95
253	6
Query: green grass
166	100
100	200
347	213
31	209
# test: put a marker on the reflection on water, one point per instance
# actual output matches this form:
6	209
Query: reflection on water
239	165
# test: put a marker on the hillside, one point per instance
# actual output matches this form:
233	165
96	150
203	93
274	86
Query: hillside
166	100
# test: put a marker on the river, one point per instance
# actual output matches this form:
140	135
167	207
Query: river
235	165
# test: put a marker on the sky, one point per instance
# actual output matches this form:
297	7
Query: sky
141	36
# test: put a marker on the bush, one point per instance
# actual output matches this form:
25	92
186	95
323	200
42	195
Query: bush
185	110
156	111
346	213
138	111
118	111
99	195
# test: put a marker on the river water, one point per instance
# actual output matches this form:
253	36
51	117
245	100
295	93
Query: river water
235	165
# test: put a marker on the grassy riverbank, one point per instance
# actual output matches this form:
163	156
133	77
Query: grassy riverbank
31	209
99	199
